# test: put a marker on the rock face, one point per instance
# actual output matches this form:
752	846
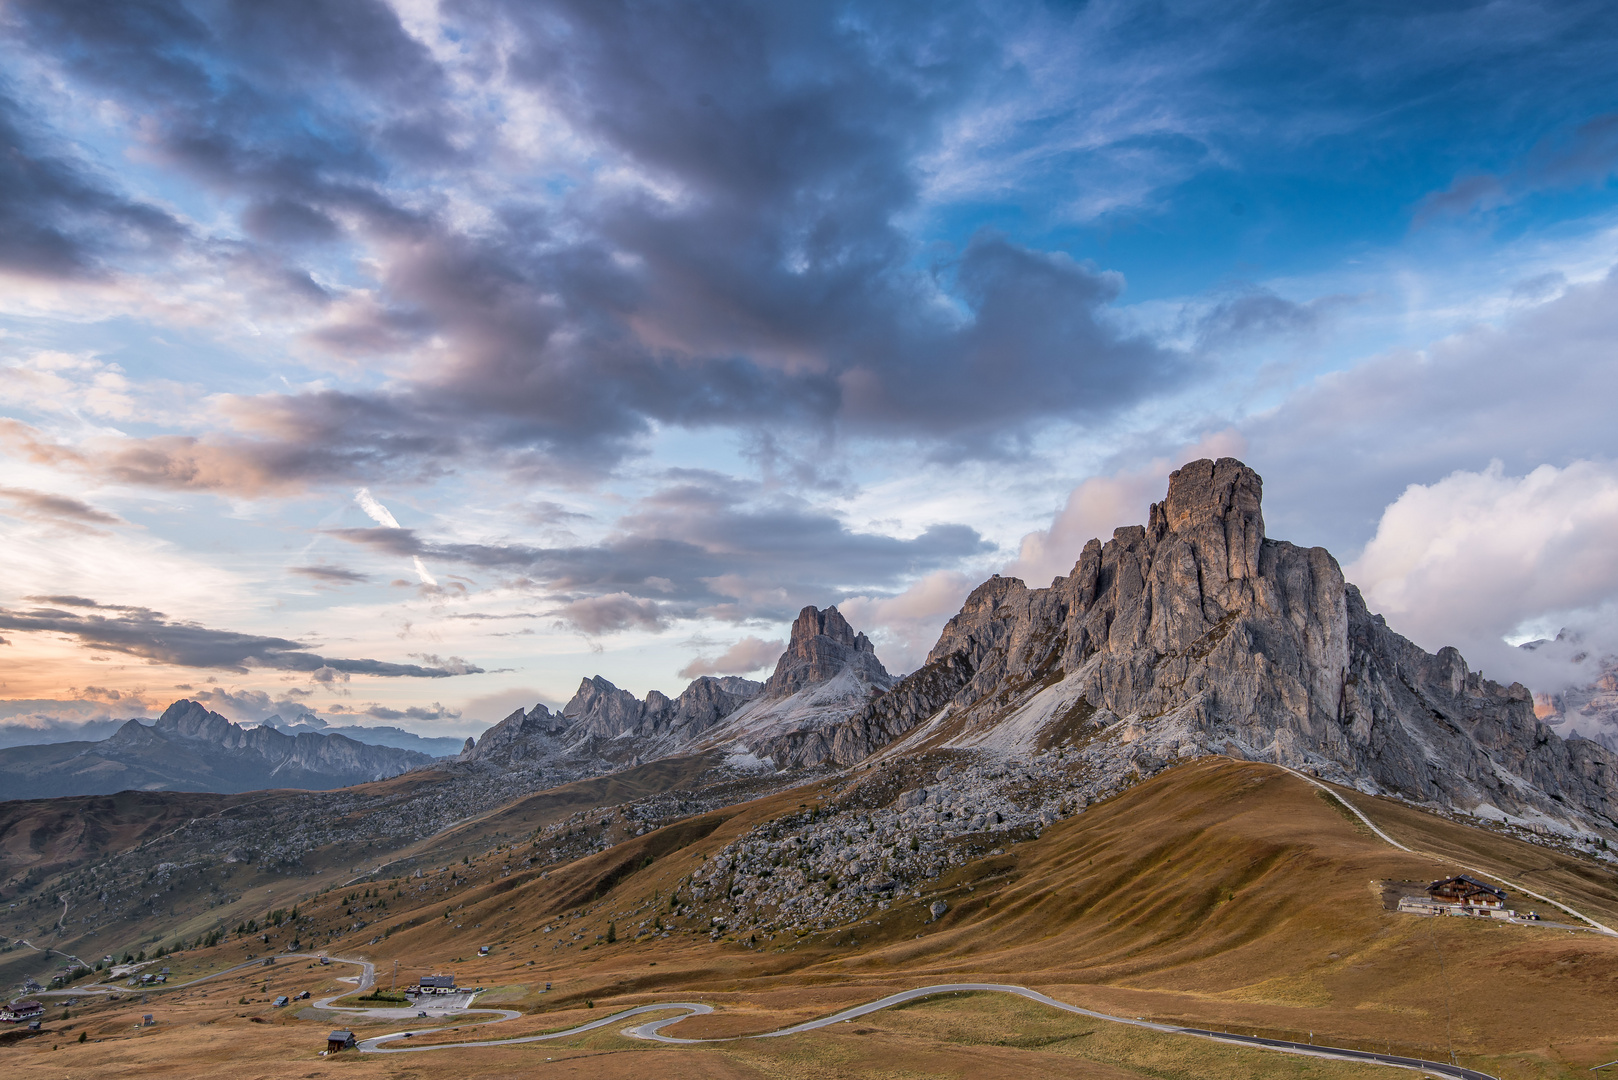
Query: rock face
1197	634
601	715
822	645
190	748
602	711
520	736
827	673
1585	712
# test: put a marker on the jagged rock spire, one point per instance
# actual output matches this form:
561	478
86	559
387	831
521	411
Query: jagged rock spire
1196	634
822	645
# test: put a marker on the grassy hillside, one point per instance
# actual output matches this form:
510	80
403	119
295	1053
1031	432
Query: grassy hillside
1218	894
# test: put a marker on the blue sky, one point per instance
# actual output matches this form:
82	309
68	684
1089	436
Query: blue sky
406	362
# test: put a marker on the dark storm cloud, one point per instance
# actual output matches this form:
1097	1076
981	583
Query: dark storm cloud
774	290
151	635
730	249
702	546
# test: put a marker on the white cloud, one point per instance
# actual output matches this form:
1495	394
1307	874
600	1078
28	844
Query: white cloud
383	517
1481	560
375	510
1533	387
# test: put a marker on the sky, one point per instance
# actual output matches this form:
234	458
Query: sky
406	362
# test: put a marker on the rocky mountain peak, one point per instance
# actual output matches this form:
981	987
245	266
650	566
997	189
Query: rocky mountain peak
812	622
1214	492
191	720
821	646
1195	634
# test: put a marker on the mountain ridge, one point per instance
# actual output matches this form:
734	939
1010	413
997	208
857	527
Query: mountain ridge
1196	634
1193	634
190	748
827	672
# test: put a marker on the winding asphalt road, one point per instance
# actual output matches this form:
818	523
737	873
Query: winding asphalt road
653	1030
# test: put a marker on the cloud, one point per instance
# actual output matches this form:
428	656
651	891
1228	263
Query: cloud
97	712
700	546
414	712
733	256
375	510
42	727
1240	316
1529	389
329	575
1587	154
60	509
151	635
904	627
57	219
249	706
612	612
1482	560
383	517
747	655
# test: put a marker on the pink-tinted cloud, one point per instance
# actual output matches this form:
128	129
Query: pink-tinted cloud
748	655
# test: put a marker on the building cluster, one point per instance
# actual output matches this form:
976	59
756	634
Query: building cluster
1462	895
21	1012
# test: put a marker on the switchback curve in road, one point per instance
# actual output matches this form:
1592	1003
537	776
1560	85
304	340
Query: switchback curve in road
653	1030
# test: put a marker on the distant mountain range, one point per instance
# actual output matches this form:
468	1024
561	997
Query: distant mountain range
436	746
189	748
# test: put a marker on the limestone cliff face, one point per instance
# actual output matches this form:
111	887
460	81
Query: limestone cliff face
821	646
1196	634
522	736
827	674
